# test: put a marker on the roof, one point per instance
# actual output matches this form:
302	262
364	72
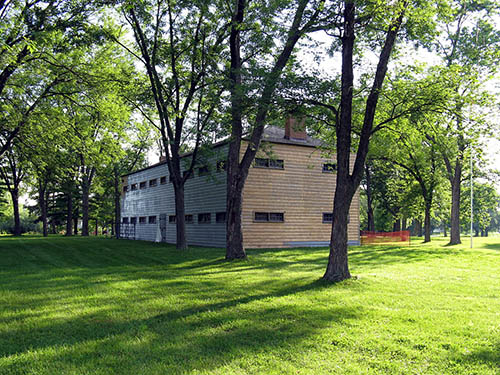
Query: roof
272	134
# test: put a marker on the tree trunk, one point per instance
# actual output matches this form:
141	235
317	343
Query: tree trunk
369	201
75	223
42	201
14	193
85	206
455	209
427	222
96	227
234	232
338	265
445	229
180	218
397	225
117	204
69	213
418	228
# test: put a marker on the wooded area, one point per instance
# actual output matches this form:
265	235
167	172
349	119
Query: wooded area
89	89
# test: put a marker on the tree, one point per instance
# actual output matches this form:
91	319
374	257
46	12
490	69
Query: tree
180	46
12	172
32	33
303	17
347	182
470	48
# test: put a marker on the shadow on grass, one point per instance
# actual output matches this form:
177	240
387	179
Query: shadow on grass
489	356
492	246
197	337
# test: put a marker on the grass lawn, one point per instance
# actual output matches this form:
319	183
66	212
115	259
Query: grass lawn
101	306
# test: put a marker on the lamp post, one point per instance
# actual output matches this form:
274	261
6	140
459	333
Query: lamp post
471	200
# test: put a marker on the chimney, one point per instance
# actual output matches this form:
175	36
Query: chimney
295	128
163	158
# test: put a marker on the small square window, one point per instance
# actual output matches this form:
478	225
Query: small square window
153	182
276	164
142	185
163	180
327	217
125	220
188	219
171	219
329	167
203	171
125	188
221	165
133	187
152	220
261	163
142	220
133	220
277	217
204	218
261	216
220	217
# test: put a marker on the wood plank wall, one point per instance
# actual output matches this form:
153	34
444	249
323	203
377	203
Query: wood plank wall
301	191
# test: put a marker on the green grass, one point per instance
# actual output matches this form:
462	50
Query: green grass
101	306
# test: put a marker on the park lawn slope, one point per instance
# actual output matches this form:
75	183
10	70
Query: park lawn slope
102	306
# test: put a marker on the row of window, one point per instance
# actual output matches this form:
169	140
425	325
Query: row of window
220	217
203	218
221	166
142	220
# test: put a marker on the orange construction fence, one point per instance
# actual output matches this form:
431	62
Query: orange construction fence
368	237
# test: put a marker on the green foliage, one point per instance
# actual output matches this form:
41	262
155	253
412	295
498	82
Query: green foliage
486	208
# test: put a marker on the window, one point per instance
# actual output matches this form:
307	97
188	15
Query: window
185	173
142	220
152	220
203	171
153	182
133	187
329	167
269	163
171	219
276	164
125	220
142	185
277	217
261	163
163	180
221	165
125	188
272	217
188	219
327	217
204	218
133	220
220	217
261	216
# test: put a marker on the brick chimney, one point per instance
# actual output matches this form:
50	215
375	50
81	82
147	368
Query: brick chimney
295	128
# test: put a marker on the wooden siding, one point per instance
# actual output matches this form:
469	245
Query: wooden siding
301	191
202	194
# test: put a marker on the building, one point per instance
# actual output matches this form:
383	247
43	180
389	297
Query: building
287	200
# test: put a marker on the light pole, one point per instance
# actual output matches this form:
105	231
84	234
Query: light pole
471	199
